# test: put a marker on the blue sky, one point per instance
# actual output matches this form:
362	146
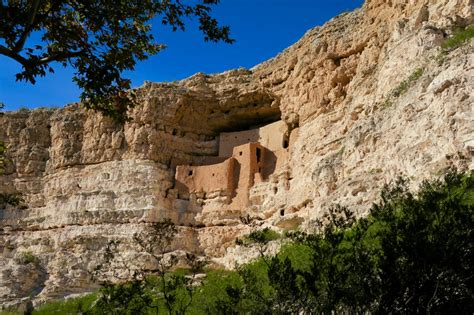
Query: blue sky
262	29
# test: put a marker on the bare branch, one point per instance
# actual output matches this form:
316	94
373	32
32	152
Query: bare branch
9	53
59	57
21	42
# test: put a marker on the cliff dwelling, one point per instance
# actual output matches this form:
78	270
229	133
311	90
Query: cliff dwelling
245	158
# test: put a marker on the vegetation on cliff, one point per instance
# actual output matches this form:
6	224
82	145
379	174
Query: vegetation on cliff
413	253
459	37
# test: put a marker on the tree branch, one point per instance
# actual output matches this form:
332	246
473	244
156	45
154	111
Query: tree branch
21	42
59	57
38	61
9	53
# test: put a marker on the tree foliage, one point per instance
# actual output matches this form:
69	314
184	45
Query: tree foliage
427	244
412	254
98	39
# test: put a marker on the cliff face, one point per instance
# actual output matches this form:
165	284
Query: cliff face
364	98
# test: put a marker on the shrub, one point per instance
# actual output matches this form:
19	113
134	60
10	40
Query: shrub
413	253
26	258
80	305
11	199
403	87
427	245
458	38
219	293
259	237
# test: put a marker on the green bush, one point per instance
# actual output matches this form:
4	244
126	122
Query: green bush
458	38
259	237
403	87
136	297
427	244
218	292
80	305
11	199
26	258
413	253
406	84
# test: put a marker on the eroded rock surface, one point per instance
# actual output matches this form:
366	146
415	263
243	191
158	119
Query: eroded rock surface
87	180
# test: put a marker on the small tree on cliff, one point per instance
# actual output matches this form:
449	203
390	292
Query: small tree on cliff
99	39
177	290
137	292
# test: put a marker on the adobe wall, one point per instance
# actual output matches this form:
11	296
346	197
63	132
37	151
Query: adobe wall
249	163
207	178
230	140
272	136
208	160
273	161
283	153
196	161
280	141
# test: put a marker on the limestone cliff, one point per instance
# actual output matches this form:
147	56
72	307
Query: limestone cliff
350	128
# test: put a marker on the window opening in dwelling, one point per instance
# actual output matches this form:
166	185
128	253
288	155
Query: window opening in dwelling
285	142
259	155
190	173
